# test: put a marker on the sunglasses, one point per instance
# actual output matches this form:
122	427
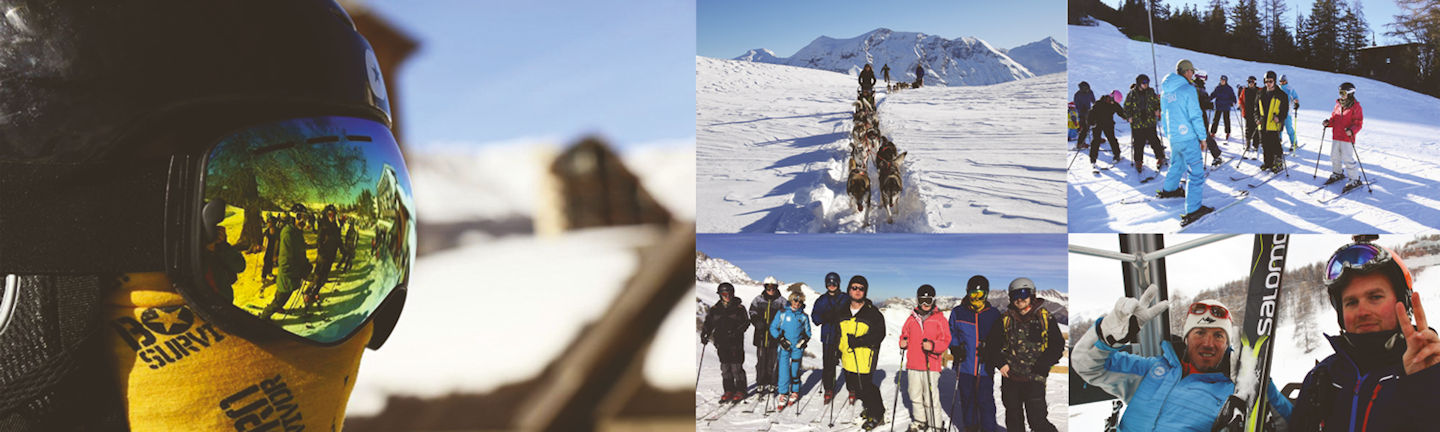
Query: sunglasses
1214	310
857	288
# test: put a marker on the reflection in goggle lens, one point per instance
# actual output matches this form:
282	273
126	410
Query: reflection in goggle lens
318	225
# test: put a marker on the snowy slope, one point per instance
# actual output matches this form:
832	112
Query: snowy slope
956	62
1045	56
772	143
1398	147
812	408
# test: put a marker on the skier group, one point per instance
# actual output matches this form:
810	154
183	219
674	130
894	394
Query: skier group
1020	344
1184	109
1382	376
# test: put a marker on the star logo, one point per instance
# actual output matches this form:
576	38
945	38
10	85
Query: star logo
170	320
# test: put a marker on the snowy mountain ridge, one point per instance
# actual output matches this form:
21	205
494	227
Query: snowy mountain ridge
716	270
964	61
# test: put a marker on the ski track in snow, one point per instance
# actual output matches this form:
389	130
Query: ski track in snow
1398	147
773	142
709	389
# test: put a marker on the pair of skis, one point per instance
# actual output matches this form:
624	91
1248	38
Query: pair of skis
1248	408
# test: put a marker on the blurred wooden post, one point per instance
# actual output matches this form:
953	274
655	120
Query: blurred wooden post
589	186
597	375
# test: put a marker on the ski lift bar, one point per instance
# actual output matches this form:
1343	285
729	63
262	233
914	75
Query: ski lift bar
1144	257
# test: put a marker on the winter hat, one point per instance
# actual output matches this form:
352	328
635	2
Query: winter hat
725	287
1204	317
832	278
925	291
1022	288
1183	66
864	284
977	283
1142	79
1224	78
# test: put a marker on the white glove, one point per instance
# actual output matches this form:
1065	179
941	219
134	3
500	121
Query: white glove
1122	326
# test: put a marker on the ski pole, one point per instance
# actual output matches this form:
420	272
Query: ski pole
929	397
1072	160
1363	176
896	401
854	360
954	397
796	382
1319	152
702	363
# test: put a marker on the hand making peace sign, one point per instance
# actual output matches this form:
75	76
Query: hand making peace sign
1422	345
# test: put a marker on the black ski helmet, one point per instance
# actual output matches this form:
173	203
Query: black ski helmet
1348	88
1084	85
832	278
1142	79
1384	261
977	283
860	280
925	291
725	287
1270	75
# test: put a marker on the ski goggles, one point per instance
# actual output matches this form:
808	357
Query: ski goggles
1355	256
1214	310
927	300
301	229
1021	293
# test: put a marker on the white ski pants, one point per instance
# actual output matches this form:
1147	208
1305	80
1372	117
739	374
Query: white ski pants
1342	159
924	407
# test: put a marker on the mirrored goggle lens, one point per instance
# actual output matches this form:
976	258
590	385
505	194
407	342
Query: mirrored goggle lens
927	300
1022	293
1215	311
1354	256
318	225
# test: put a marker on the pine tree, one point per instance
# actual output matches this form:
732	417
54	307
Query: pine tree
1419	22
1216	39
1245	32
1354	36
1279	41
1322	36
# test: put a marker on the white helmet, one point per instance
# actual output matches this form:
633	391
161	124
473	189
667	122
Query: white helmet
770	280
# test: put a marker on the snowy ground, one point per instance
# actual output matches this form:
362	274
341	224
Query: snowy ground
812	407
772	143
462	331
1398	146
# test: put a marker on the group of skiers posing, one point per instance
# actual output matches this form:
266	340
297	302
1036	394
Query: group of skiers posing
1021	344
1185	112
1381	377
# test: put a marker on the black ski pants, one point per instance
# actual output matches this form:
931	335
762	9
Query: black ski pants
1270	143
831	359
733	375
1141	137
1109	131
1025	400
766	372
868	393
1251	134
1215	122
1084	127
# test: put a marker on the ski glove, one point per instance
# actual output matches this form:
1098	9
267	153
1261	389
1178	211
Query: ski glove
958	354
1122	326
704	339
853	341
803	343
1325	123
784	344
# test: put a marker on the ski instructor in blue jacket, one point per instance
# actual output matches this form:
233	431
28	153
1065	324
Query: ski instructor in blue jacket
1182	389
1382	376
1185	125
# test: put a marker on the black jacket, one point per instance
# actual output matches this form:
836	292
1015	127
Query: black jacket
867	79
1100	114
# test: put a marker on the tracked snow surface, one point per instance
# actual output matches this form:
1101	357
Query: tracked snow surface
1399	147
772	143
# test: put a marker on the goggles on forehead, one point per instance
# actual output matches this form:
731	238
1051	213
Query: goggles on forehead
1216	311
1358	256
300	229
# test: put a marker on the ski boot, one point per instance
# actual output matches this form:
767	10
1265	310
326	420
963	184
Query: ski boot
1352	185
869	424
783	402
1160	166
1177	193
918	427
829	396
1195	215
1215	163
1334	178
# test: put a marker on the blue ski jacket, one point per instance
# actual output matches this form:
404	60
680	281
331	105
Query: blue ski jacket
1382	398
823	305
1083	100
792	325
1166	396
1180	108
968	330
1290	92
1224	97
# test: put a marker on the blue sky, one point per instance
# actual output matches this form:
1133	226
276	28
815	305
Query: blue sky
492	71
897	264
728	28
1377	13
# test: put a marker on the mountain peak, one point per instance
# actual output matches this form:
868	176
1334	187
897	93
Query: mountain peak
951	62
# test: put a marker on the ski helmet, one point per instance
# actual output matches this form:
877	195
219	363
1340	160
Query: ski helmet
860	280
832	279
1283	79
770	280
1022	288
925	292
1224	78
1270	75
1142	79
725	287
1363	258
1202	75
977	283
1347	88
1084	85
1117	96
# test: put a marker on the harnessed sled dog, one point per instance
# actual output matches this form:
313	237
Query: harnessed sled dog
857	185
887	162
